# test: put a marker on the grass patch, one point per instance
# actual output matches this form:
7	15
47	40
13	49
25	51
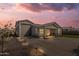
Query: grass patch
71	36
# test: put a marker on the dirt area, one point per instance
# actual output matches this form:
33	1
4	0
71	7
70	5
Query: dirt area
57	47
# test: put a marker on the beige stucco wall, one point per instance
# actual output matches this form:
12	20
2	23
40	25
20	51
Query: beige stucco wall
59	31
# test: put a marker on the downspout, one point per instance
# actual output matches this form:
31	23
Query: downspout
19	29
44	32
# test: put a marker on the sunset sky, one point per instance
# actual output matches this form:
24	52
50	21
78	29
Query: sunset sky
62	13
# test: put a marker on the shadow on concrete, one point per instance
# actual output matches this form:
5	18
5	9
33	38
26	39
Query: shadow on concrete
76	51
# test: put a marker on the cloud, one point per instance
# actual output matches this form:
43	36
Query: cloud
49	6
5	6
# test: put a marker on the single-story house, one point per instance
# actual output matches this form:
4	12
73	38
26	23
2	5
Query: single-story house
27	28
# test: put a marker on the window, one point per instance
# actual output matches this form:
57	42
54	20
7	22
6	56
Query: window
47	32
41	30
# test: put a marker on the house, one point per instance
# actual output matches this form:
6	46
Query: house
70	31
27	28
67	29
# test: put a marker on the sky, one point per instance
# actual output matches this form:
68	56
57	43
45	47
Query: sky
65	14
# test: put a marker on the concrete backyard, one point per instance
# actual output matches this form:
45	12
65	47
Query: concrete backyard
58	47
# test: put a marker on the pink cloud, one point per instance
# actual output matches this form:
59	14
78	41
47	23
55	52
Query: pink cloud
16	12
